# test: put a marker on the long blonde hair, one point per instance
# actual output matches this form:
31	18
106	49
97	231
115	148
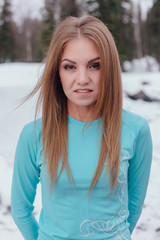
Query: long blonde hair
54	101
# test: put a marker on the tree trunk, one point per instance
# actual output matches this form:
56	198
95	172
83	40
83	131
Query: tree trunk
28	46
57	12
137	30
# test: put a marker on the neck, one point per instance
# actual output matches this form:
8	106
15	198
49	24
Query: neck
81	113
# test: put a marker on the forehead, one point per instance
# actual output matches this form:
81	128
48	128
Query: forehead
80	47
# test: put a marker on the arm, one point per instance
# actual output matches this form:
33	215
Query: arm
138	174
24	183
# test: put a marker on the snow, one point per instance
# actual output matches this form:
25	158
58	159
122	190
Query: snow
17	80
144	64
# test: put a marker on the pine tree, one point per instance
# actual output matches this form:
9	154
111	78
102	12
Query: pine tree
7	42
48	23
70	8
117	15
153	27
54	12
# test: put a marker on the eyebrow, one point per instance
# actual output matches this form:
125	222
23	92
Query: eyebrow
94	59
90	61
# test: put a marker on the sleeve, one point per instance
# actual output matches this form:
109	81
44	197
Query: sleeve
24	182
138	174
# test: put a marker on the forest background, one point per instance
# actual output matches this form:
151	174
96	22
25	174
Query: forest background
27	40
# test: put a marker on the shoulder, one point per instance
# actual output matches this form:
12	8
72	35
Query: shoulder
135	132
31	127
31	132
134	127
133	122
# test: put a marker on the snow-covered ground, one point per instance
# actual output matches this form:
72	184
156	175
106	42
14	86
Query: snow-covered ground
16	80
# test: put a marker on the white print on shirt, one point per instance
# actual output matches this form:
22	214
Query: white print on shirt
89	227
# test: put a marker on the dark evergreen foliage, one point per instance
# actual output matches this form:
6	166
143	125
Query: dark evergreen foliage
7	41
153	30
117	15
65	7
48	24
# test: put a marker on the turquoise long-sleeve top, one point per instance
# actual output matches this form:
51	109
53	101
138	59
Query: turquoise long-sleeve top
68	212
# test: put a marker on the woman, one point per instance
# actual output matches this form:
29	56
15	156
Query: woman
92	159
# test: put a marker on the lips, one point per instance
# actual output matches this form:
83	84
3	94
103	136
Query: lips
83	90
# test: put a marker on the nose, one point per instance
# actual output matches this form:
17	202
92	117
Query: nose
82	77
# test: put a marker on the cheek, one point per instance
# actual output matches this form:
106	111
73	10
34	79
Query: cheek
66	85
63	80
66	81
97	80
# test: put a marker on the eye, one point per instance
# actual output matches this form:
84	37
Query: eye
69	67
95	66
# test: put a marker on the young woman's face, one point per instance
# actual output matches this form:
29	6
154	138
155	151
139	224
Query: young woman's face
80	73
